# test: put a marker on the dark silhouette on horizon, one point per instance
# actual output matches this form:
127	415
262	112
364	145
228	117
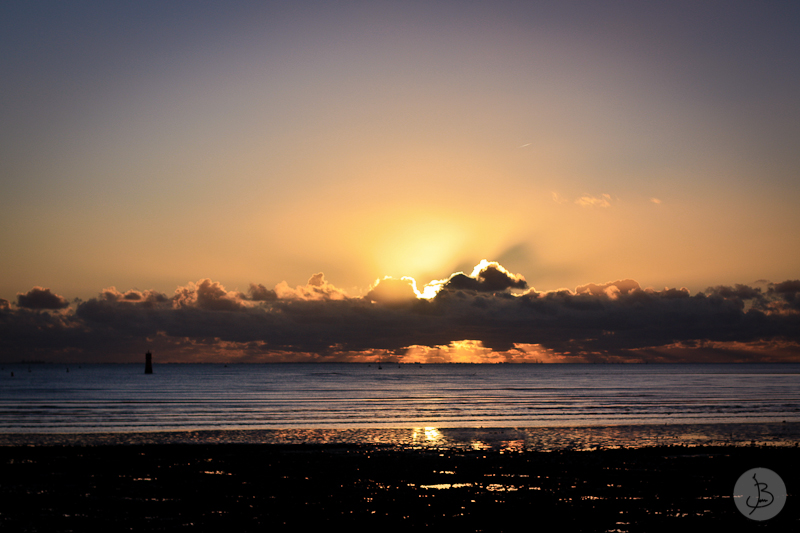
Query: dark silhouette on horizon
148	363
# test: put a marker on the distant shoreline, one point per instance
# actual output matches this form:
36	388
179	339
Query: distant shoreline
404	363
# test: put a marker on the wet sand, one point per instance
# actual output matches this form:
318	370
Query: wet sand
497	438
217	483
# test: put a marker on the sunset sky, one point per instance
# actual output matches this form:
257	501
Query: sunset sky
231	179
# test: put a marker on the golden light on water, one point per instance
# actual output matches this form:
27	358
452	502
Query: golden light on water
427	436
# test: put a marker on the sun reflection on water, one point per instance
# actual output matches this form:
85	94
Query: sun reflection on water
517	445
428	436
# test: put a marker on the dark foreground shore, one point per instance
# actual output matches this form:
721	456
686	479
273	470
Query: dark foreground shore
273	487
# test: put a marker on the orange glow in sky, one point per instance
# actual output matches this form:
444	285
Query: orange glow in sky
258	145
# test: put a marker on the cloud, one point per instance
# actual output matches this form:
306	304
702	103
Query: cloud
259	293
604	200
4	304
207	294
486	277
611	289
463	351
41	298
111	294
317	288
742	292
788	294
486	316
393	291
655	201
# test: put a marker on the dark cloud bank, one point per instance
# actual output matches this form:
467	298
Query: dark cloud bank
502	317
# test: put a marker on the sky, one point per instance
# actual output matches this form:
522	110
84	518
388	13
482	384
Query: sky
413	181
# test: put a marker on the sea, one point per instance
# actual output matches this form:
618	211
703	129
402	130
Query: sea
58	398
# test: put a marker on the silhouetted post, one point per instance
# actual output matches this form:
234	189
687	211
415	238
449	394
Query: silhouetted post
148	363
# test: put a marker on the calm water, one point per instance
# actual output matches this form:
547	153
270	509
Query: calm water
48	398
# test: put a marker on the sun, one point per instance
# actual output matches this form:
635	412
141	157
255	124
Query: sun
418	246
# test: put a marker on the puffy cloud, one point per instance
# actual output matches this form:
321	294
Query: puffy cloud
613	321
148	297
317	288
486	277
742	292
393	291
4	304
41	298
610	289
207	294
259	293
113	295
788	293
787	289
622	316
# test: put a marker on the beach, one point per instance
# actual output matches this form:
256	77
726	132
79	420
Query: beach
453	447
215	481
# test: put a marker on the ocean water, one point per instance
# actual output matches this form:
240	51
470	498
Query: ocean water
101	398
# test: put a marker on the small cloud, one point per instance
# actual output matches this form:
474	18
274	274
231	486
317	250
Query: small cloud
393	291
788	292
317	288
558	199
486	277
259	293
611	289
4	304
743	292
111	294
655	200
41	298
604	200
148	297
207	294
